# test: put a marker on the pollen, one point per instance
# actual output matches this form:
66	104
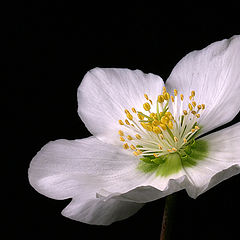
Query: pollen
157	130
181	96
146	96
175	92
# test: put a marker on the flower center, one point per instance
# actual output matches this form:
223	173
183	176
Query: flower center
164	131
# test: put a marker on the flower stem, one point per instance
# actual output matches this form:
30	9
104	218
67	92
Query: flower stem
168	217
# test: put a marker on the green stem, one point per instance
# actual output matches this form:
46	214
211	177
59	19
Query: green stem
168	217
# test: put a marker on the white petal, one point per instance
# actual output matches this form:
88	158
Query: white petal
105	93
100	211
62	167
214	73
222	162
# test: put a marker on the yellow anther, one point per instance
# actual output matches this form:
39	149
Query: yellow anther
157	130
139	151
169	150
193	93
193	130
198	115
190	97
132	147
122	139
194	103
129	116
160	147
143	125
129	137
163	126
155	123
127	122
164	89
185	140
125	146
146	96
166	95
170	124
174	149
155	155
138	136
152	115
175	139
140	116
175	92
199	107
146	106
134	110
161	136
132	125
160	99
172	98
148	127
185	112
135	153
169	115
181	96
203	106
120	132
190	106
150	101
197	127
120	122
193	112
126	111
164	120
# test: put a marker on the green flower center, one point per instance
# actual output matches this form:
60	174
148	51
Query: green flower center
164	140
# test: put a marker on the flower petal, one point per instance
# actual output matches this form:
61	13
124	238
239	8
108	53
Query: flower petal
105	93
214	74
62	167
79	169
100	211
222	161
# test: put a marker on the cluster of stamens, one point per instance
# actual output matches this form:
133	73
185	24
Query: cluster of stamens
163	131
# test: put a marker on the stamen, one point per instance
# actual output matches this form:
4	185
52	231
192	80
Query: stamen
138	136
165	131
120	122
160	99
127	122
134	110
146	106
129	137
120	132
132	147
125	146
122	139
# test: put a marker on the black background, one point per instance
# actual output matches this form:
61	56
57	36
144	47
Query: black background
50	46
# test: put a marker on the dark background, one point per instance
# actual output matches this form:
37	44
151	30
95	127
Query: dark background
50	46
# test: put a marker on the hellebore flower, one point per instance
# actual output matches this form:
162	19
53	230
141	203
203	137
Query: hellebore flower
146	141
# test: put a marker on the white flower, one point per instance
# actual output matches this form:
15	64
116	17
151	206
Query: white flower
151	152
